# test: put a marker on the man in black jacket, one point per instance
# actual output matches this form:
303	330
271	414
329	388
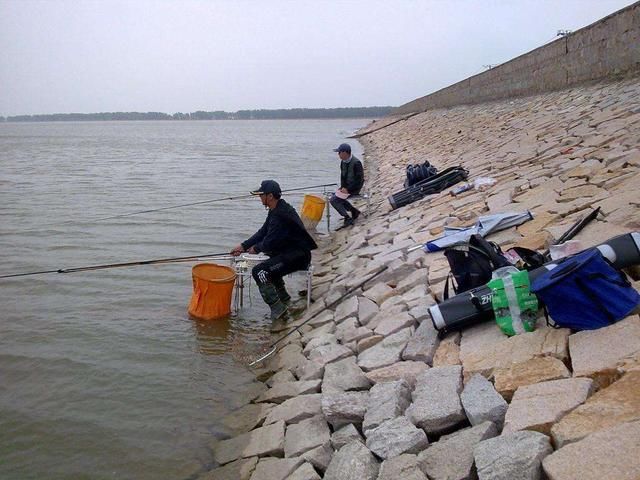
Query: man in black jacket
351	181
286	241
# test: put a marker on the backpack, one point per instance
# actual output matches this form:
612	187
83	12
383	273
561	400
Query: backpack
585	292
472	264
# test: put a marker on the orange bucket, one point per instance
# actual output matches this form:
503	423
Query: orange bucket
212	289
311	212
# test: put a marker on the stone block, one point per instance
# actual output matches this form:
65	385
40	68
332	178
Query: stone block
482	403
385	353
535	370
537	407
309	370
331	352
407	371
326	339
423	344
286	390
279	377
368	342
386	401
395	437
392	323
403	467
448	351
304	472
451	457
275	468
379	293
516	456
247	417
610	454
306	435
344	375
340	409
616	404
236	470
436	406
296	409
319	457
268	440
354	461
367	309
344	435
346	308
605	354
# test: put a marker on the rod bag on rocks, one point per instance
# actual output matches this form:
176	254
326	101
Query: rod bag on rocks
586	292
429	186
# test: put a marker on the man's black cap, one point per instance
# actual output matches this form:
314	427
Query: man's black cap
343	147
267	186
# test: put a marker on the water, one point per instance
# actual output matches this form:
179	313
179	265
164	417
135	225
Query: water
103	374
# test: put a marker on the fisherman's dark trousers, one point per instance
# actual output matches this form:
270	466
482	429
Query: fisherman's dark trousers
341	205
278	266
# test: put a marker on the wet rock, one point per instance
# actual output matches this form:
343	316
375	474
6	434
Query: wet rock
288	358
516	456
436	405
606	353
535	370
344	435
268	440
354	461
325	354
344	375
306	435
326	339
296	409
423	344
482	403
387	352
304	472
395	437
451	458
407	371
275	468
386	401
286	390
279	377
616	404
537	407
248	417
392	323
612	454
340	409
318	332
236	470
404	467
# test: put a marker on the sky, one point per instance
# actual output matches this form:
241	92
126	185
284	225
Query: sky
63	56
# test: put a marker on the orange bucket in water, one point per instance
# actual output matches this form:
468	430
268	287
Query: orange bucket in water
312	209
212	289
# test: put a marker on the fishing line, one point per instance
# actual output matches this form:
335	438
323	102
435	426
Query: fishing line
117	265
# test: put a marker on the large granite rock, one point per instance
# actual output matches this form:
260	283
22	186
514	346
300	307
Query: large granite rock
344	435
306	435
393	322
395	437
386	401
325	339
275	468
535	370
537	407
516	456
605	354
436	406
288	358
485	359
296	409
402	467
423	344
304	472
236	470
354	461
387	352
448	351
332	352
286	390
247	417
451	457
407	371
367	309
340	409
262	441
319	457
379	292
346	308
610	454
482	403
344	375
618	403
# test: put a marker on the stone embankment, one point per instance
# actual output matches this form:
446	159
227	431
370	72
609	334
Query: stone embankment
368	390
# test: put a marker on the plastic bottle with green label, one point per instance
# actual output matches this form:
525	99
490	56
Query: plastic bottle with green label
515	307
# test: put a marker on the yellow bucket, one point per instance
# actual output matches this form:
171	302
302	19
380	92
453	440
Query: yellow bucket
212	289
312	210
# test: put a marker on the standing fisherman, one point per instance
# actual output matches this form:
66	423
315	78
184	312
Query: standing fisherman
286	241
351	182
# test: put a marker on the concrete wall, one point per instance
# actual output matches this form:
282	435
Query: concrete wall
605	48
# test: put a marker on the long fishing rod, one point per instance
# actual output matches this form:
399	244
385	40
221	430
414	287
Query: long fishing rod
116	265
202	202
273	346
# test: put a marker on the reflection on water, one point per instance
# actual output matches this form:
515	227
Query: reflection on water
103	374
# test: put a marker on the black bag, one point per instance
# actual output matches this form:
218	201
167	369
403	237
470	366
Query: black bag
472	264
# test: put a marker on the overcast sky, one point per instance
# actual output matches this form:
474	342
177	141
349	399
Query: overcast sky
60	56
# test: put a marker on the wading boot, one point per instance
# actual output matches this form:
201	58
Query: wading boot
283	295
270	297
355	213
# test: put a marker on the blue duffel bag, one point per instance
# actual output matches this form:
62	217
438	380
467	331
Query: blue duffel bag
585	292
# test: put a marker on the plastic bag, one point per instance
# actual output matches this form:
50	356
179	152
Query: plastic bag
483	183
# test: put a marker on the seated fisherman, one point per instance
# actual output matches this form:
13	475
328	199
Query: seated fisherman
286	241
351	181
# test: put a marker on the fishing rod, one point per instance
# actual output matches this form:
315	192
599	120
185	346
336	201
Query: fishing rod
273	346
117	265
202	202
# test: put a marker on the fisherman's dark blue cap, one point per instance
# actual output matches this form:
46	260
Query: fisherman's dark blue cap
344	147
267	186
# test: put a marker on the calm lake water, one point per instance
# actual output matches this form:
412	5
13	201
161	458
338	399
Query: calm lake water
103	374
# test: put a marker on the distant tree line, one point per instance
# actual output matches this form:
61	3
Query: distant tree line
290	113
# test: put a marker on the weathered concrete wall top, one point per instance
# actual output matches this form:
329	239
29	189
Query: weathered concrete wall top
609	47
